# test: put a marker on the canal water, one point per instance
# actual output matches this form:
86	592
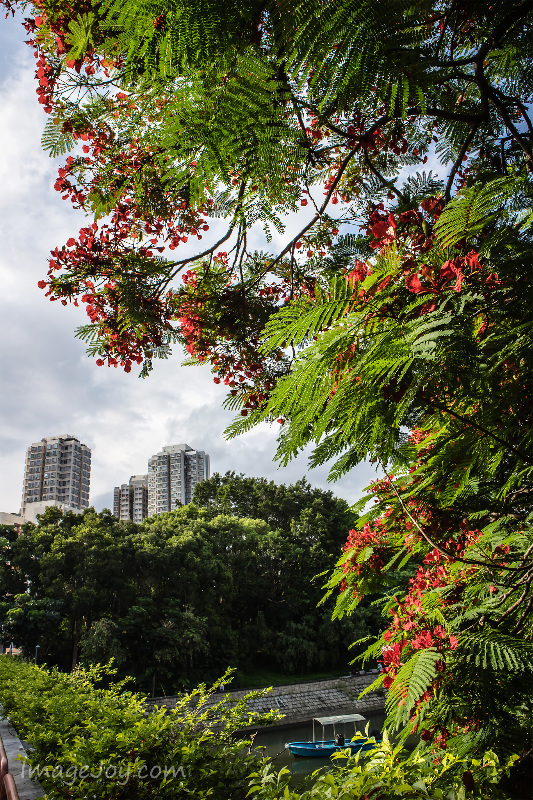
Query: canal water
274	739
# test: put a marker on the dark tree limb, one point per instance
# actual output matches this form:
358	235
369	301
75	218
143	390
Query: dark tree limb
459	160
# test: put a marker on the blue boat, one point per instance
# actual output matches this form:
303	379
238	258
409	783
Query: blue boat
324	748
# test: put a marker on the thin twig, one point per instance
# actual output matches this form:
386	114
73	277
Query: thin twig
459	160
522	616
514	130
515	605
303	231
210	250
389	184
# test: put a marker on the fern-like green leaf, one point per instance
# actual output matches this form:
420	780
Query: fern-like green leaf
410	683
55	141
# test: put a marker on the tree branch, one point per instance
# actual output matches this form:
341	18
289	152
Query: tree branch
442	550
471	423
459	161
513	129
389	184
319	213
210	250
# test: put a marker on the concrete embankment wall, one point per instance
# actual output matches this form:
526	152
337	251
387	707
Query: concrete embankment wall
300	702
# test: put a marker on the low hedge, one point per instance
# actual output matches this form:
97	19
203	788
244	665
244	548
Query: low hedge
93	741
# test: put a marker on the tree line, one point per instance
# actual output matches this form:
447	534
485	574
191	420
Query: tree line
229	580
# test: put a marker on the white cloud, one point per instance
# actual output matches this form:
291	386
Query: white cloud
48	385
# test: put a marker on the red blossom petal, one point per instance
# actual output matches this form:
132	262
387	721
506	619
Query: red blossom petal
380	229
413	284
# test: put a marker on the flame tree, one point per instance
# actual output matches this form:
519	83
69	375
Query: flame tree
394	323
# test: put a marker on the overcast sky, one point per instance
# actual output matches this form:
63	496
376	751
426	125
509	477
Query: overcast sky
48	385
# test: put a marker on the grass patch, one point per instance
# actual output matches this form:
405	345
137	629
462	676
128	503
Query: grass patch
258	678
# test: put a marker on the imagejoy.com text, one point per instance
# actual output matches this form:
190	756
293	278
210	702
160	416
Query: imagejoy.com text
120	774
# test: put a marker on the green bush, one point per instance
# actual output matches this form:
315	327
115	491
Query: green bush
94	742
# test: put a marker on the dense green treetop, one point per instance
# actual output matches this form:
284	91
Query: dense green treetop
184	595
312	516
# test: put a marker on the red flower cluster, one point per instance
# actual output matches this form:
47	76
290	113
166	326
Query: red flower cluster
368	548
412	628
214	330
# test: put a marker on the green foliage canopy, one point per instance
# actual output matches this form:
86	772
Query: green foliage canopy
89	739
185	594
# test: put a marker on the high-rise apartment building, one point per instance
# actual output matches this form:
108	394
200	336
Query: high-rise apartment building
130	500
57	473
172	475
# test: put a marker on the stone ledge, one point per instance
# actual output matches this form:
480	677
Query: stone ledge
302	701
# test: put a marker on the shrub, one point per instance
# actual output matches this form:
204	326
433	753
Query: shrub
97	742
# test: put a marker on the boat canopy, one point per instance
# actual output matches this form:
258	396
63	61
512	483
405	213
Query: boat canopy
339	719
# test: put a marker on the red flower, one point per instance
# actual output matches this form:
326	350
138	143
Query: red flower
391	653
450	269
472	260
422	641
413	284
380	229
359	273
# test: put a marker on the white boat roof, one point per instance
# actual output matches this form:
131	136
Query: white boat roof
340	718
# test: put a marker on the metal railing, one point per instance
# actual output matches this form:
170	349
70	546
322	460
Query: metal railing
8	790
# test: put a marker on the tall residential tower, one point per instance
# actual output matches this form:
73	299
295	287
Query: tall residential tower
130	500
172	475
57	473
